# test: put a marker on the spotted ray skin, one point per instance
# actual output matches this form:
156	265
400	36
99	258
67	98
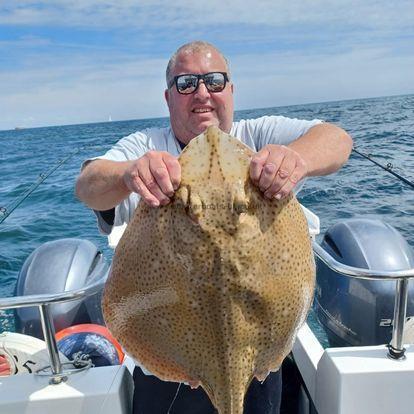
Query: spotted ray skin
213	287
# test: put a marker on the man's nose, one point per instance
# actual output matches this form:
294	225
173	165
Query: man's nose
202	90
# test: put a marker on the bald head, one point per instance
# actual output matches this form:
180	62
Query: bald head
189	49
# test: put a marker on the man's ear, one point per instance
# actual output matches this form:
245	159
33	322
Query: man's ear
166	96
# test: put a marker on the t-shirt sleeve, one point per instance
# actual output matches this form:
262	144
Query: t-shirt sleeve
128	148
281	130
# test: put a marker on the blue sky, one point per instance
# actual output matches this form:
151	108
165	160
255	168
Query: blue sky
76	61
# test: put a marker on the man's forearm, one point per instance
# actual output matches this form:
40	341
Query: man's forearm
324	148
101	185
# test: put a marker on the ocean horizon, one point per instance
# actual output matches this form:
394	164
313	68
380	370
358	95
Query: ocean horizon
158	118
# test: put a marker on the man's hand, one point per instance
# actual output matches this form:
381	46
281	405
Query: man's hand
4	366
155	177
276	169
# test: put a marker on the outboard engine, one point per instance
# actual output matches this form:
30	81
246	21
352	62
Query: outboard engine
55	267
355	311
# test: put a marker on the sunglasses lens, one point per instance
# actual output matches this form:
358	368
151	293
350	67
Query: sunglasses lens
186	83
215	82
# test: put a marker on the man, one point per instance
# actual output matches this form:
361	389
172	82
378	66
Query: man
144	165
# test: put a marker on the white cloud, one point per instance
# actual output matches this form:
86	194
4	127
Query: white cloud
133	88
187	13
25	41
280	53
289	78
56	92
49	71
83	102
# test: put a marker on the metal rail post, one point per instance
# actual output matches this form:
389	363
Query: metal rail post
396	348
51	345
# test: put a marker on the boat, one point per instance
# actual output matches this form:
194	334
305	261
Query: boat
366	365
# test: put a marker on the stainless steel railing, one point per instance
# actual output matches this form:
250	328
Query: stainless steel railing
43	302
395	347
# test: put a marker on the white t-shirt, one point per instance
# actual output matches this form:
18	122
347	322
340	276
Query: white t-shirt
256	133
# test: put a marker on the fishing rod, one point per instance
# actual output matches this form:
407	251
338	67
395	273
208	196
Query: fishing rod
389	167
5	211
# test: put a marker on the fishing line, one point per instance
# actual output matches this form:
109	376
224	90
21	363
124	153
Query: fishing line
175	397
5	211
389	167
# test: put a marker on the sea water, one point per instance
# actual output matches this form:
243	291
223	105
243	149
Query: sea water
382	127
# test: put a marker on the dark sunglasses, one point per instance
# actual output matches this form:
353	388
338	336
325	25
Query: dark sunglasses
188	83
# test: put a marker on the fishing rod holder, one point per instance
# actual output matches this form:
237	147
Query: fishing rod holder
396	348
56	371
